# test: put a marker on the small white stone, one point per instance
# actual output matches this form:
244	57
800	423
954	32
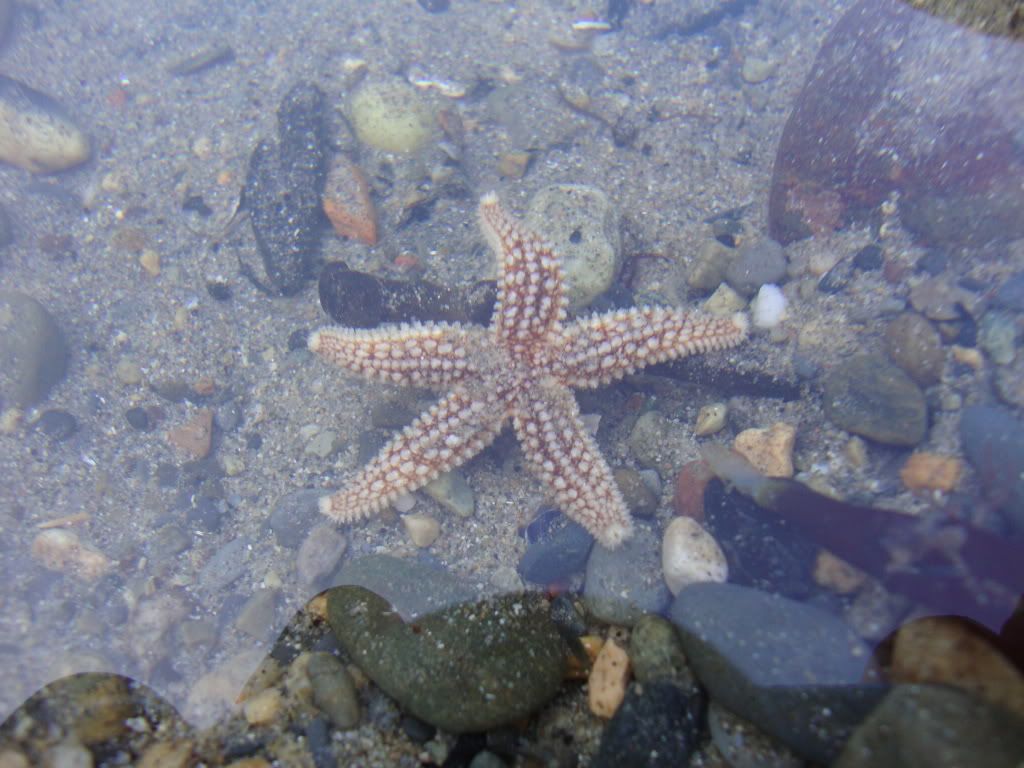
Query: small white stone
768	307
690	555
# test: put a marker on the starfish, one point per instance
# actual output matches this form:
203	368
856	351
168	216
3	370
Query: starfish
522	368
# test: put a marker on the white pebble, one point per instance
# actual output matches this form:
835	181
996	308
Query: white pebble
768	307
689	555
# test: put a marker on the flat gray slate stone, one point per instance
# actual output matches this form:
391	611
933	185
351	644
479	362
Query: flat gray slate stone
792	669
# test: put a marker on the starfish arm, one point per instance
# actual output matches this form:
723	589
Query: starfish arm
569	463
415	354
531	297
605	347
451	432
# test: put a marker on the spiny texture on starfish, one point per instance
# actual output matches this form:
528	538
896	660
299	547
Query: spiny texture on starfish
520	368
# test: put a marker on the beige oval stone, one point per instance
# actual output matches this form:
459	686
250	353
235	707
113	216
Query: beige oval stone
423	530
836	574
769	450
36	133
711	419
59	549
689	554
608	679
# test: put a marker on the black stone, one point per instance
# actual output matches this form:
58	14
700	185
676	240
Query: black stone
254	441
57	425
360	300
196	204
353	299
297	339
138	418
869	258
837	278
557	557
434	6
218	290
417	730
656	725
283	187
932	263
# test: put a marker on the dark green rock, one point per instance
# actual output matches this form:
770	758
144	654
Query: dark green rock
656	653
466	668
793	670
870	396
33	352
925	726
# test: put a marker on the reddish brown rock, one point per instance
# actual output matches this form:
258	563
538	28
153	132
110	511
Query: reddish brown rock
347	202
691	481
900	101
193	438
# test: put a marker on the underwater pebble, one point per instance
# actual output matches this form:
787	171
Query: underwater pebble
319	553
609	676
334	692
756	264
59	549
997	335
945	650
913	343
194	437
57	425
347	201
711	419
517	651
264	707
769	449
930	471
391	116
33	350
625	583
869	396
657	726
583	226
423	530
36	133
690	554
757	70
453	492
283	188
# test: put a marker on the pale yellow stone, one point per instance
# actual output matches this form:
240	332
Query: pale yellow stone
769	450
11	758
856	451
167	754
10	420
180	319
150	261
423	530
608	680
263	708
970	356
724	302
711	419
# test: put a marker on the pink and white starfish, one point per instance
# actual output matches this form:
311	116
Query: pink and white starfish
522	367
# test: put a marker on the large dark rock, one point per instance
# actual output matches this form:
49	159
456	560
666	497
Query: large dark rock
793	670
655	726
900	101
926	726
283	187
993	440
33	352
